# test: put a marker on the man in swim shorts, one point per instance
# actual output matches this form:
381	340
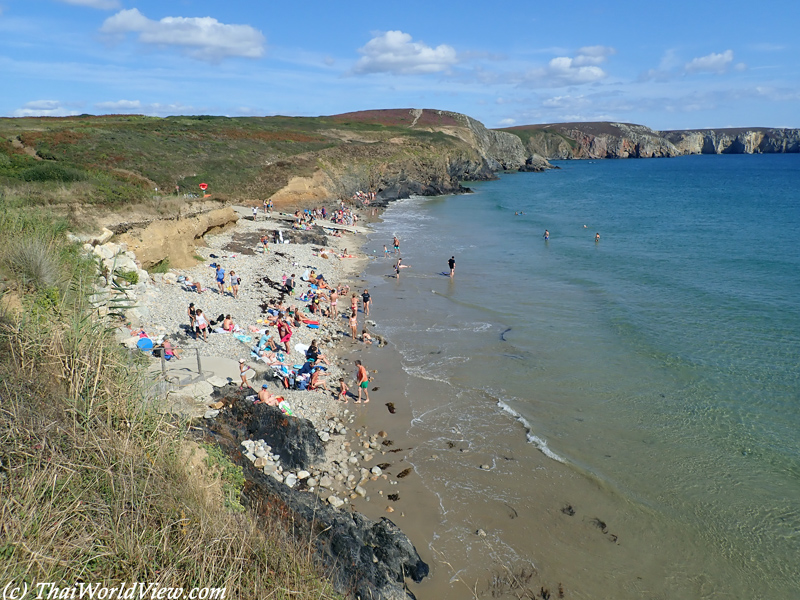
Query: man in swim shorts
452	264
362	382
396	243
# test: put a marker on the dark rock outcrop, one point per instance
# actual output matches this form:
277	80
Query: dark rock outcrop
364	558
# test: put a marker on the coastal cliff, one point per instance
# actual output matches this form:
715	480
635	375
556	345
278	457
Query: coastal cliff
624	140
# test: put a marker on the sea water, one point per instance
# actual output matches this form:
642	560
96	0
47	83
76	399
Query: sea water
653	373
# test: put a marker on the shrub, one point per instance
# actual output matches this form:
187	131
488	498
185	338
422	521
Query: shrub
160	267
131	277
32	261
52	171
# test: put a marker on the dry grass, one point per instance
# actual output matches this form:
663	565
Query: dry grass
95	488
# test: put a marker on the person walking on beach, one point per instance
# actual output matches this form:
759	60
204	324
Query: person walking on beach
192	312
385	250
452	264
366	299
396	243
354	303
202	324
342	396
255	213
362	382
221	279
243	369
546	235
236	281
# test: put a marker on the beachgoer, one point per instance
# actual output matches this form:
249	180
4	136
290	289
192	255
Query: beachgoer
366	337
269	206
285	333
385	250
288	286
243	369
362	381
546	235
334	299
399	266
452	264
192	318
354	303
255	213
227	324
313	353
366	299
236	281
396	243
266	397
265	243
221	279
170	351
354	325
197	286
202	324
316	380
342	396
596	237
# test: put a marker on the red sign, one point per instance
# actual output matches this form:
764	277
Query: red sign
203	186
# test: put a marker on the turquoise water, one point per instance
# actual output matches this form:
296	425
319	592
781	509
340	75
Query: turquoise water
663	360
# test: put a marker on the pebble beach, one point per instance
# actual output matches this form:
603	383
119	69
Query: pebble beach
162	312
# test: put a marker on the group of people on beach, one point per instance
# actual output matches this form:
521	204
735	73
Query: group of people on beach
546	235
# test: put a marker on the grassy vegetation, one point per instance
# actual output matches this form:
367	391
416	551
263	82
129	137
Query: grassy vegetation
121	160
94	486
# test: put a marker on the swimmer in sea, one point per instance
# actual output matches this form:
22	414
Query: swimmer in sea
596	237
546	235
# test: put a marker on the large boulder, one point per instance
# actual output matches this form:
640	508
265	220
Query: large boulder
366	558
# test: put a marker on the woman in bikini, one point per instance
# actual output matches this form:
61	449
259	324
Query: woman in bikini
354	325
227	324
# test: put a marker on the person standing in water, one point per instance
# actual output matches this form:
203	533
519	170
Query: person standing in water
596	237
452	264
546	235
396	243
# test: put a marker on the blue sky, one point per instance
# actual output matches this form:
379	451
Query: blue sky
668	65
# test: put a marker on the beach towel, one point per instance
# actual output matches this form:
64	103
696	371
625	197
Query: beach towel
246	339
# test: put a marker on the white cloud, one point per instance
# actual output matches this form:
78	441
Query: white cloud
101	4
565	70
740	67
203	38
506	122
44	108
593	55
395	52
711	63
120	105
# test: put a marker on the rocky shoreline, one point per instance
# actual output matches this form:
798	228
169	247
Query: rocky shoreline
313	463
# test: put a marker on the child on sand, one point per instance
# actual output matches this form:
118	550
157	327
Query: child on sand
342	391
366	337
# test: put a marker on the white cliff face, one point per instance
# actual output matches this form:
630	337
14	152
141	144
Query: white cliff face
736	141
